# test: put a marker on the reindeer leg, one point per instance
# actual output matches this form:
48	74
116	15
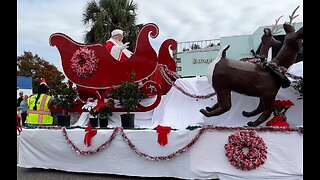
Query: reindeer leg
213	107
268	103
258	110
224	104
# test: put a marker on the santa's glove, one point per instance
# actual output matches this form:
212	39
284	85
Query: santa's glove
125	45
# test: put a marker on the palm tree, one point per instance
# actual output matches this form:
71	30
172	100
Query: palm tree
107	15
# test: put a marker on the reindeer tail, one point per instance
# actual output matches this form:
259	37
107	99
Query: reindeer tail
212	65
225	48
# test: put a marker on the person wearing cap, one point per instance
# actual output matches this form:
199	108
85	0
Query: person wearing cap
116	48
20	98
38	107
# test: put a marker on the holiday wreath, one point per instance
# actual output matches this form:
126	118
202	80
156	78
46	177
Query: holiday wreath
84	62
257	150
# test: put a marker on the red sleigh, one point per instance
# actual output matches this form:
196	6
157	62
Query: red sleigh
144	62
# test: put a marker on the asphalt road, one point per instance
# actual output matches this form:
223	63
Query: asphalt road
49	174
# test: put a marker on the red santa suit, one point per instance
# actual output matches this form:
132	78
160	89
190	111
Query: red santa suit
118	51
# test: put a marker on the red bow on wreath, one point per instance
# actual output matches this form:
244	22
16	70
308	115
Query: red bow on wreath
162	134
89	135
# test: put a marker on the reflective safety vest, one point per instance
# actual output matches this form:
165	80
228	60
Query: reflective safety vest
42	115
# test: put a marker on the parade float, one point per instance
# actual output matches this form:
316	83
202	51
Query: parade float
171	138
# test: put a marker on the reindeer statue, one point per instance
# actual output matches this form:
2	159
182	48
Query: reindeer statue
226	75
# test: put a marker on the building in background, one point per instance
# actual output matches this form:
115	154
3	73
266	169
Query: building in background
193	57
24	84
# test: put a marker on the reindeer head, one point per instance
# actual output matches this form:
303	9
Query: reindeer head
294	39
292	43
289	26
268	38
267	41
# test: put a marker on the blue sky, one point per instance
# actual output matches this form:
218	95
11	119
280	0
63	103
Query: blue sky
182	20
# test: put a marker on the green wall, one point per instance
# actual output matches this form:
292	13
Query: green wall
195	62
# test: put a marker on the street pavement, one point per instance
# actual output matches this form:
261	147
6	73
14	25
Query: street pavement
50	174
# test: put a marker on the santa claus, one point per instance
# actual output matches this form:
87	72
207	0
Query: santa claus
116	48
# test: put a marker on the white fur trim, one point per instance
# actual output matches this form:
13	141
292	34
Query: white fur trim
116	32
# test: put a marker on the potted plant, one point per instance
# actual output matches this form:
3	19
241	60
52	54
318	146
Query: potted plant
129	95
93	113
64	98
99	110
105	112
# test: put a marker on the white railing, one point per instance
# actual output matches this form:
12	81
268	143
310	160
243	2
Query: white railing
198	45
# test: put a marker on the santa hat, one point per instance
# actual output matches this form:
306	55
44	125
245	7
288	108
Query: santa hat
116	32
43	81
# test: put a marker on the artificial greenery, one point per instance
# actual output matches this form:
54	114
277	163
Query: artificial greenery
64	97
129	94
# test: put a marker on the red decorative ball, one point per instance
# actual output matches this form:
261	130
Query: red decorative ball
257	150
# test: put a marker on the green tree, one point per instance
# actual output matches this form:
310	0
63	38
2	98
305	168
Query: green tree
37	68
107	15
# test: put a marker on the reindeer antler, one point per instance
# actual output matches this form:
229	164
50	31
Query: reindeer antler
293	17
275	29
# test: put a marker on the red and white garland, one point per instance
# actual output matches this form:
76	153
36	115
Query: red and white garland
165	72
79	151
250	59
84	62
257	150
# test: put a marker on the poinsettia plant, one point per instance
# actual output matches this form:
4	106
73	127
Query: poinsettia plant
103	109
280	108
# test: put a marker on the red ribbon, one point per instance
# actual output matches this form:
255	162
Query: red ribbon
89	135
19	128
278	120
163	131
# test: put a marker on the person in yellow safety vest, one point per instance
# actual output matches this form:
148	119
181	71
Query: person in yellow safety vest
38	107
